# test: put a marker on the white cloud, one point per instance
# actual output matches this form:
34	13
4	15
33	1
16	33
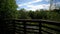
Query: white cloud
42	6
34	1
33	7
47	0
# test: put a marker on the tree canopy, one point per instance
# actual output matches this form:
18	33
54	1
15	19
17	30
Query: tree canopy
8	9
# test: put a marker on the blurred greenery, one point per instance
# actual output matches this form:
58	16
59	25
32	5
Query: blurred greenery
40	14
8	10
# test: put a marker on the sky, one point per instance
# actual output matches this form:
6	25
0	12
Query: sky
33	4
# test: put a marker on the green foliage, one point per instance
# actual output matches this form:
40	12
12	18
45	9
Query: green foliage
40	14
23	14
31	14
8	9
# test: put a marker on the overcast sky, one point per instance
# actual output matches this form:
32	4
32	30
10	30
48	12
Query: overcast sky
33	4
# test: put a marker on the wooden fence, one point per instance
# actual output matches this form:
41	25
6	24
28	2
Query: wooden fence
29	26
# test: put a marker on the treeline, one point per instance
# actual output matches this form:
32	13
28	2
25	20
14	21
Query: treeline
8	10
39	14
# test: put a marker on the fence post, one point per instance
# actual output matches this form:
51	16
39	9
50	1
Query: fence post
40	27
14	28
24	23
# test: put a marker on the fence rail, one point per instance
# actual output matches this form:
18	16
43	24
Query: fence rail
29	26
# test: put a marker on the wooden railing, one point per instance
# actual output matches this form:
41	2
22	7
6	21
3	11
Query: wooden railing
29	26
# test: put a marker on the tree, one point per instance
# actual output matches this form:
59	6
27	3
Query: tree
31	14
23	14
51	2
8	9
